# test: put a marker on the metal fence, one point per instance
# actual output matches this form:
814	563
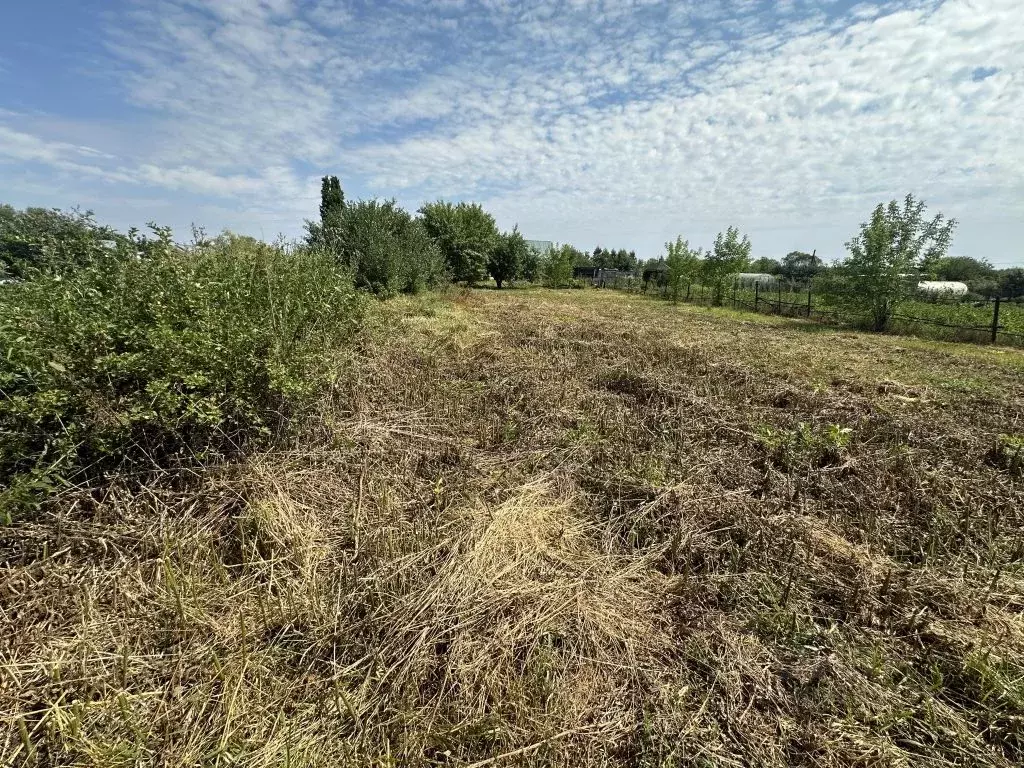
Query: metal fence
997	320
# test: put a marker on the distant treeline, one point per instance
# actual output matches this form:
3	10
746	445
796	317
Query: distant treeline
896	249
978	274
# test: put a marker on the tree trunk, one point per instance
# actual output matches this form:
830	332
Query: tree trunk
882	313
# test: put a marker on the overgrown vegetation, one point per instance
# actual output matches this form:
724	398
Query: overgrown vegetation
382	246
127	355
540	528
43	241
126	364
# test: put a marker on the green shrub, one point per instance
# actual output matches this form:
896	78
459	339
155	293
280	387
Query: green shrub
43	240
387	250
145	363
557	266
807	445
508	257
466	235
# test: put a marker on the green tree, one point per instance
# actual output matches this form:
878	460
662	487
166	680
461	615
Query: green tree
607	258
43	241
800	267
532	262
1011	283
581	258
766	266
888	256
623	260
508	257
466	235
332	199
558	265
386	250
964	269
730	255
684	265
326	233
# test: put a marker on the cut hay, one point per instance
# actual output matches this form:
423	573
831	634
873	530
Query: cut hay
553	529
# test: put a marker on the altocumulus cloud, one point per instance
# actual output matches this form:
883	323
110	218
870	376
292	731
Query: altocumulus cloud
589	121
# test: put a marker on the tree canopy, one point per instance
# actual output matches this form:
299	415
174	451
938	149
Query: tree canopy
765	266
606	258
509	257
893	249
1011	283
730	255
332	199
466	234
684	265
800	267
964	269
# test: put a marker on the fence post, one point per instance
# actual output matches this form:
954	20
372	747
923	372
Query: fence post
779	310
995	321
734	294
808	301
757	294
702	293
688	286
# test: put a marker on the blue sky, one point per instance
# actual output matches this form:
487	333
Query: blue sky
613	122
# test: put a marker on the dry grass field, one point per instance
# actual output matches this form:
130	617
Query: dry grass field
573	528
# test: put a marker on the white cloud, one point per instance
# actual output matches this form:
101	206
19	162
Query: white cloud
581	119
797	126
16	146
